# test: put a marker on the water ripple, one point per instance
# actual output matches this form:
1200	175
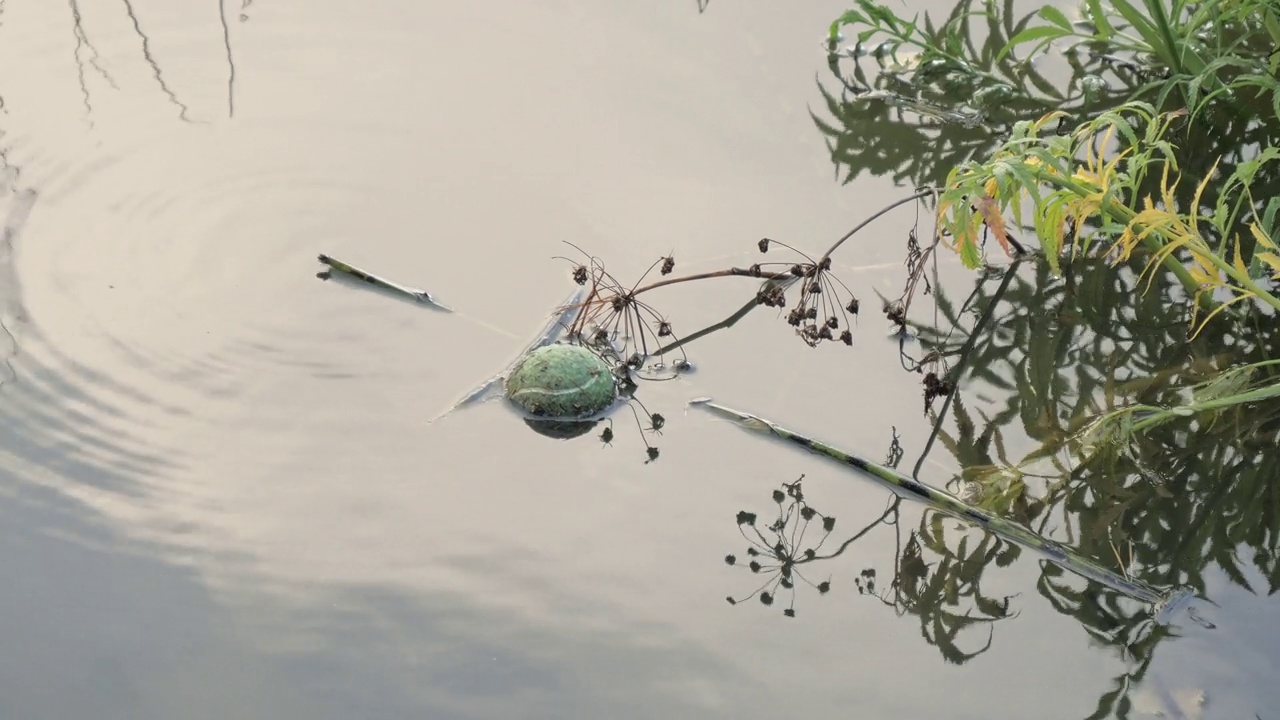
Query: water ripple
63	420
193	261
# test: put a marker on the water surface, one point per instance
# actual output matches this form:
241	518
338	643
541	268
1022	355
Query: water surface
222	495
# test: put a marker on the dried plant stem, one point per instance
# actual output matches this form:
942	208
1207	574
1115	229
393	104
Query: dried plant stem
728	322
755	273
876	216
729	272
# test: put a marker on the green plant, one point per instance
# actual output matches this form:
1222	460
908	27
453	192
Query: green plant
1073	186
1208	52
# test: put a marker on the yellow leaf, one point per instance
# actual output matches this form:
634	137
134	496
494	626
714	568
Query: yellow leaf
1195	201
1217	310
1271	260
1261	237
1048	119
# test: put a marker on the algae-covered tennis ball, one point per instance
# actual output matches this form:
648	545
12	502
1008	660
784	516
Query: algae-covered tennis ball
562	381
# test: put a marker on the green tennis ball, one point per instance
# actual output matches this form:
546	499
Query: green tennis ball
562	381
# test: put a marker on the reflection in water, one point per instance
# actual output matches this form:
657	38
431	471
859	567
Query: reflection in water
945	595
1044	356
231	64
352	618
16	209
155	66
565	429
88	59
60	415
1184	496
1162	504
916	123
1161	510
82	42
782	556
999	527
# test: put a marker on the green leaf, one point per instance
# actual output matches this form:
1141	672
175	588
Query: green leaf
1098	16
849	17
1269	217
1150	34
1271	20
1047	33
1055	16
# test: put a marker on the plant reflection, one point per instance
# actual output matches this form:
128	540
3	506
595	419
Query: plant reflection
940	94
1181	498
781	556
151	61
885	113
918	105
87	58
915	121
931	581
1165	505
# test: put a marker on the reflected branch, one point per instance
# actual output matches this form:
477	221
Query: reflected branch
155	67
962	363
82	41
231	65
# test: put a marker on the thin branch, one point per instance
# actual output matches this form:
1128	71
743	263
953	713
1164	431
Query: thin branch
961	364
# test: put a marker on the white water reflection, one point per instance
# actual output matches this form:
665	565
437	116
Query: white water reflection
221	491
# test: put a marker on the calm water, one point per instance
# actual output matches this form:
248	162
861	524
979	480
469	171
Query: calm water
220	492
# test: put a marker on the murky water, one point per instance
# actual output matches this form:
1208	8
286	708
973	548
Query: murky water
222	495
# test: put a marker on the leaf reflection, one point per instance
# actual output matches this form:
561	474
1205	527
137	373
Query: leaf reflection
1167	505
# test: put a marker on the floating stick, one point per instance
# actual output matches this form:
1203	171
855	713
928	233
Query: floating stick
420	296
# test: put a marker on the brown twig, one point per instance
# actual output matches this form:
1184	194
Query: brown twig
754	272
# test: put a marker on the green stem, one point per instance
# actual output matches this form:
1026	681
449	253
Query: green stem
1161	415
